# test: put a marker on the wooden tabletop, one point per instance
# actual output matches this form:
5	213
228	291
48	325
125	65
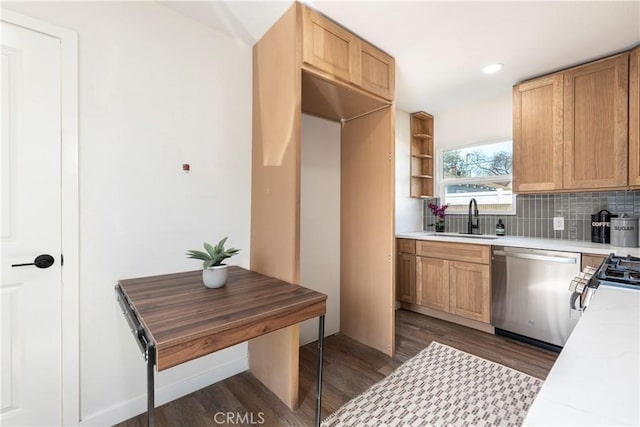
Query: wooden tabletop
186	320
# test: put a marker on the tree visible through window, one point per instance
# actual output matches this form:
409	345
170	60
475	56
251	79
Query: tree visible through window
483	172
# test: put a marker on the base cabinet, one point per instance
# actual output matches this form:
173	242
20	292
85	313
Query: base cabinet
454	278
592	260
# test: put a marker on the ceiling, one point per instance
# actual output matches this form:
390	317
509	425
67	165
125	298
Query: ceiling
440	47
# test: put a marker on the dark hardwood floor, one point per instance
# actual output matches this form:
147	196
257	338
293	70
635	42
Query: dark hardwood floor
349	369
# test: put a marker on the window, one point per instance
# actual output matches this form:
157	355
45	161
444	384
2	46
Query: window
481	171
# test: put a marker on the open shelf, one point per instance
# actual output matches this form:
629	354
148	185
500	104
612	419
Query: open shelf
421	155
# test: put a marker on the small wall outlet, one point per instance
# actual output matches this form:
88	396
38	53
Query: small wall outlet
558	223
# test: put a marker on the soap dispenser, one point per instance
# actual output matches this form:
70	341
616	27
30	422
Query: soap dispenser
499	228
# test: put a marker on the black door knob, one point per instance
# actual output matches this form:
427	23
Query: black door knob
41	261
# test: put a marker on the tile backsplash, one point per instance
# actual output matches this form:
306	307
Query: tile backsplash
535	212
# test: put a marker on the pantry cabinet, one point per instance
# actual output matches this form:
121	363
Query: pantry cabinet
306	63
570	129
634	118
328	47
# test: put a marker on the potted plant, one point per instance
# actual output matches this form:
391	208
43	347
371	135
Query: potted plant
439	213
214	272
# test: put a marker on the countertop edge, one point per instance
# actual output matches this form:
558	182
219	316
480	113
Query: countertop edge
526	242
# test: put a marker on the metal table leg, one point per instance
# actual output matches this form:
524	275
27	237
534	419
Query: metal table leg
319	370
150	387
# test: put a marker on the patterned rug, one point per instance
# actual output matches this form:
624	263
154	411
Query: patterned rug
443	386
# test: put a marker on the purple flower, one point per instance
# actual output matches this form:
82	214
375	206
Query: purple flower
438	211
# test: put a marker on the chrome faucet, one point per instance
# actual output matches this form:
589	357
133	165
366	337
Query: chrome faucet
470	225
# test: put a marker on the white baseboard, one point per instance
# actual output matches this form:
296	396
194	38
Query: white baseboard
138	405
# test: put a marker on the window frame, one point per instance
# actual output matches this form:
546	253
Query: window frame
442	182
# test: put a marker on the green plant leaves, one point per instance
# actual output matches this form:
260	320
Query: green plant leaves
213	255
198	255
210	250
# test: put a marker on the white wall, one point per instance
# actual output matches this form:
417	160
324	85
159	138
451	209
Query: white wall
408	210
320	220
156	90
482	121
486	120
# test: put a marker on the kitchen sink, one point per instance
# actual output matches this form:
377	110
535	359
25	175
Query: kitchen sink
465	235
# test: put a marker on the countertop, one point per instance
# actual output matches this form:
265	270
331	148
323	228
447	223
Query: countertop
526	242
596	378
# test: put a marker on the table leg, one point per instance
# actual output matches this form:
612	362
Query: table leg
150	387
319	370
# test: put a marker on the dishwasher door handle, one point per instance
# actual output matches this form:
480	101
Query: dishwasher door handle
550	258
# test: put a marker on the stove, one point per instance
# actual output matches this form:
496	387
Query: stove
618	271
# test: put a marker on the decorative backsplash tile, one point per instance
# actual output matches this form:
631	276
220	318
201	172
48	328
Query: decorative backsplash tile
535	214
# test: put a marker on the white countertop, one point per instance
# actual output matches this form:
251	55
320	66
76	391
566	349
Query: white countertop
527	242
596	378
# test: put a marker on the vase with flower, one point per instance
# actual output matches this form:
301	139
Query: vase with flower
439	212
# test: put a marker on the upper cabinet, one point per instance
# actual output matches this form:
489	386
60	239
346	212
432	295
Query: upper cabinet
421	155
634	118
537	134
570	129
377	71
331	49
595	124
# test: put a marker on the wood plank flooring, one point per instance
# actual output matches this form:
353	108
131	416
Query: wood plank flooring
349	369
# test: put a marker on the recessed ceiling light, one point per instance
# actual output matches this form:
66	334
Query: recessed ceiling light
493	68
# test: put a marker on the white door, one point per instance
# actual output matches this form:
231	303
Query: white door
31	225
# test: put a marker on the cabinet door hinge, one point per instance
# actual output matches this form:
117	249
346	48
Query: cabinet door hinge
61	260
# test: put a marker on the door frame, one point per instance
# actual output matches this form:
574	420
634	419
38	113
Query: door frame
69	209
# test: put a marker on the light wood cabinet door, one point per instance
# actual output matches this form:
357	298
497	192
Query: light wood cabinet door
432	283
592	260
470	293
406	278
537	135
377	71
634	118
596	124
329	47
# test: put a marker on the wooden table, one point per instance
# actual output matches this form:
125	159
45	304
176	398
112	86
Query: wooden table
175	318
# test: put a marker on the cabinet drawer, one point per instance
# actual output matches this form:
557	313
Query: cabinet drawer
454	251
406	246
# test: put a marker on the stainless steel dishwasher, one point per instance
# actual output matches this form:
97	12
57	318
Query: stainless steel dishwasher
529	294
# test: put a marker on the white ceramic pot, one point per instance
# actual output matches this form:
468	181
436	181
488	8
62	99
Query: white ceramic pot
215	277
